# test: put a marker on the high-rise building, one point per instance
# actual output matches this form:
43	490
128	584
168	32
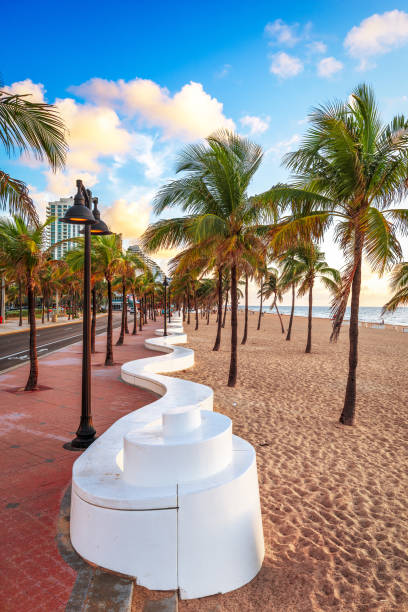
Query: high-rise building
57	230
135	248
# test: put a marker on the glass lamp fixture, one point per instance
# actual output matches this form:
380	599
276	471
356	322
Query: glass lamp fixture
99	228
79	213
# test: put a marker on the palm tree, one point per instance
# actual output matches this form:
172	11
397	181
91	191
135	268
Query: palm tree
107	253
22	246
227	278
399	284
213	191
126	266
220	293
311	266
28	127
349	170
260	275
272	287
289	280
207	293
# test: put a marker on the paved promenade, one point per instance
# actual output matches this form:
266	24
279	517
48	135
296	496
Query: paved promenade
36	469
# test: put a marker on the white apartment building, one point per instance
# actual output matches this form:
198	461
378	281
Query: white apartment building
135	248
58	231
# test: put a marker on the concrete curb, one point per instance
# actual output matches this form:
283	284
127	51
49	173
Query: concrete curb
169	604
94	589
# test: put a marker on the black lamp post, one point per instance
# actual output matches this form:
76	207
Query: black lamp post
169	301
165	285
80	214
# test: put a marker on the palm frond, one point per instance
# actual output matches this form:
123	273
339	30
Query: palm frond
14	196
33	127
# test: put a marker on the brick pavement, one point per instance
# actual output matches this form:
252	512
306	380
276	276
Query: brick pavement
35	469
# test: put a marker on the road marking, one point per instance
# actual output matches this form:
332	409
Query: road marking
42	345
41	348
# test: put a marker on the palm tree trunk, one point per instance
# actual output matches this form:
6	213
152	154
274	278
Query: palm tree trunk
208	315
225	310
196	309
260	307
188	308
145	310
232	376
245	336
20	303
279	315
93	325
47	302
122	325
292	312
349	407
219	314
140	315
33	376
56	304
109	340
42	311
154	308
126	316
309	322
134	332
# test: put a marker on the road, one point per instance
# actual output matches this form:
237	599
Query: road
14	347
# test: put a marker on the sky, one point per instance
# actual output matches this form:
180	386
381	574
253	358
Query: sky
137	81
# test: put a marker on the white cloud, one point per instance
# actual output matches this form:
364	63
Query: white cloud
93	133
377	35
129	218
98	145
285	66
328	66
255	124
40	199
284	146
142	150
224	71
35	92
317	47
282	33
188	114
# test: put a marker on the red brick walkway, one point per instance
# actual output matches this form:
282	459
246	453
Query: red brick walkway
35	470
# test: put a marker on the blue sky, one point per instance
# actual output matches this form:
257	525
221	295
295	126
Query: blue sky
136	81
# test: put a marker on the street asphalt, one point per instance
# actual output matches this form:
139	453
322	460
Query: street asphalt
14	346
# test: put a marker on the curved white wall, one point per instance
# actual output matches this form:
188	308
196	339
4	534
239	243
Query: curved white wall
172	501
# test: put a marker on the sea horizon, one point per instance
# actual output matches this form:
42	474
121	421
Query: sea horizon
367	314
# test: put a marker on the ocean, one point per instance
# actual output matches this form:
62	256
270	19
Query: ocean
368	314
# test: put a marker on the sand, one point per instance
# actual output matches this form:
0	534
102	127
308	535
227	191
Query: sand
334	498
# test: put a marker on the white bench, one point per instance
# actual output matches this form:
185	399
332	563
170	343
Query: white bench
167	494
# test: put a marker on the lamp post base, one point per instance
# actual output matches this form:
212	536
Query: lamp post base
80	442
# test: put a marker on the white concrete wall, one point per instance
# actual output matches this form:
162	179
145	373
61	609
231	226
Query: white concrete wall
172	501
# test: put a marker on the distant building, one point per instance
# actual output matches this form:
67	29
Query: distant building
135	248
58	231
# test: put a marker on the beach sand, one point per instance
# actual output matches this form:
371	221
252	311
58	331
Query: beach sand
334	498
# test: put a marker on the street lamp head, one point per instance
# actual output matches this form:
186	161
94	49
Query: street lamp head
99	228
79	213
